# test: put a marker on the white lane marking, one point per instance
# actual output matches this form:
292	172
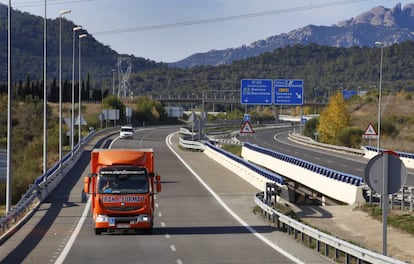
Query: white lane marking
233	214
162	224
172	247
179	261
75	233
159	214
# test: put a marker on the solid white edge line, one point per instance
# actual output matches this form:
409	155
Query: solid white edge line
233	214
75	233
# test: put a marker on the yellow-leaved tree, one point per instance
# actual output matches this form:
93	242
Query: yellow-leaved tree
333	119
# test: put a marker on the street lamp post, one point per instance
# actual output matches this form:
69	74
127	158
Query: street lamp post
44	94
381	44
9	114
73	90
61	13
80	86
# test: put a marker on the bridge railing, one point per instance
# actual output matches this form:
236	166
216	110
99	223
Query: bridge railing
340	186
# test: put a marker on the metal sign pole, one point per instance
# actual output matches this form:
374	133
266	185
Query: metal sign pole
384	202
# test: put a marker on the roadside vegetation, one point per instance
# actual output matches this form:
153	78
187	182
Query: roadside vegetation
403	221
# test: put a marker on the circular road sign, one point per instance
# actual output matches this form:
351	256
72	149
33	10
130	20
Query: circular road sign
395	172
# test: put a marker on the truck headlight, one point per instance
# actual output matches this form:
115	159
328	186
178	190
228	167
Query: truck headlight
101	218
143	218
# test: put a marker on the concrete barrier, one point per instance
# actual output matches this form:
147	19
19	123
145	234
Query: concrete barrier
251	173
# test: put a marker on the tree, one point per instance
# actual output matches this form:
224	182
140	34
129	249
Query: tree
333	119
54	92
147	110
310	127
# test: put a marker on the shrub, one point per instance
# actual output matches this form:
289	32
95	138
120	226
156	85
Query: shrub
350	137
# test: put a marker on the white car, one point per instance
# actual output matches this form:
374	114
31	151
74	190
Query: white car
126	132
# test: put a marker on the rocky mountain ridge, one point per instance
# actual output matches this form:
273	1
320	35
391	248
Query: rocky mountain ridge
388	25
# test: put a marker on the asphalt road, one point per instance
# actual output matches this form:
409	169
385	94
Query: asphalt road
203	215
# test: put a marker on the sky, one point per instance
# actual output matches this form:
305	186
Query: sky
171	30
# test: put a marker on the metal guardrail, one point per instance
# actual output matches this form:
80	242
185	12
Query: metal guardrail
297	228
190	144
307	140
400	153
42	186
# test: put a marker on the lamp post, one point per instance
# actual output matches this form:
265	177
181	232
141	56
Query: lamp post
381	44
73	90
44	96
80	86
9	114
61	13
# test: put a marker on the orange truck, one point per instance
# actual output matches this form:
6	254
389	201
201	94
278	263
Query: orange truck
122	185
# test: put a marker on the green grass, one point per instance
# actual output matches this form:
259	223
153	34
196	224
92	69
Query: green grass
234	149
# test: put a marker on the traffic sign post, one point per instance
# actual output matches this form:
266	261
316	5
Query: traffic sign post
385	174
256	91
288	92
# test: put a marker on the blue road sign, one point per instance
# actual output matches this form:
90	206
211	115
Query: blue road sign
288	92
256	91
348	94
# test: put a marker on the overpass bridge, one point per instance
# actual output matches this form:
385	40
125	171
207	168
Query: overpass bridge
212	99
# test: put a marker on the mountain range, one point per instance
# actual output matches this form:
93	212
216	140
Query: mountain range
387	25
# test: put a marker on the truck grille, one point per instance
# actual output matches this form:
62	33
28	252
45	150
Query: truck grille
123	209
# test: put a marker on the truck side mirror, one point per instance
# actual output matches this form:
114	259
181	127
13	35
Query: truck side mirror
86	184
158	182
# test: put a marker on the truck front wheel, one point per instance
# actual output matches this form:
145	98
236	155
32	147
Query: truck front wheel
98	231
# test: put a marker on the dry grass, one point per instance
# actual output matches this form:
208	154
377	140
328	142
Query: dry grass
397	109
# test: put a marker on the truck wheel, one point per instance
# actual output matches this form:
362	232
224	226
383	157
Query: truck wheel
147	231
98	231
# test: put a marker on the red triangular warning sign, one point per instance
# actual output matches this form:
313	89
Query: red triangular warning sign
246	128
370	130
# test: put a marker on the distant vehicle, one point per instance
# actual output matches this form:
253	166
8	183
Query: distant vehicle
126	132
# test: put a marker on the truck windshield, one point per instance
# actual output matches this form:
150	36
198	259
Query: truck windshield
123	181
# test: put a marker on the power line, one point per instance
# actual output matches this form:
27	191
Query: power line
228	18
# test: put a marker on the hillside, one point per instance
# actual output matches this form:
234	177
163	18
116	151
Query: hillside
27	50
323	70
396	109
